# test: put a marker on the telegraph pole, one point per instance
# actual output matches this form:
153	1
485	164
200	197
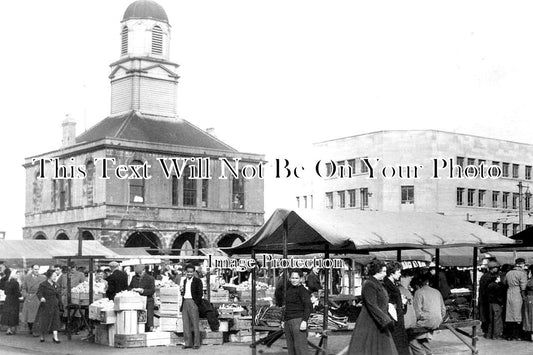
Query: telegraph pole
520	208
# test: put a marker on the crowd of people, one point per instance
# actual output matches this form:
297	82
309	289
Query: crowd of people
506	301
394	319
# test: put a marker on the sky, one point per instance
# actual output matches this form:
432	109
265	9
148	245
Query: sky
272	77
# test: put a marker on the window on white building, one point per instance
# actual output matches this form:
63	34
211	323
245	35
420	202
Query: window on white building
515	171
408	195
460	193
351	198
342	199
364	197
470	197
329	199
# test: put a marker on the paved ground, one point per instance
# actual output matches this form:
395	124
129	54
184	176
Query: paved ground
443	343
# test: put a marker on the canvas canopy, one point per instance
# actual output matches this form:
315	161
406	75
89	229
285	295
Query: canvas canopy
21	252
355	231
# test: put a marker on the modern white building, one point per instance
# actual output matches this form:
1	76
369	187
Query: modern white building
427	171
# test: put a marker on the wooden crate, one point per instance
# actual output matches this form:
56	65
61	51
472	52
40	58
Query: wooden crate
240	323
130	340
83	298
108	317
169	308
238	338
104	334
158	339
142	315
130	303
212	338
127	322
168	324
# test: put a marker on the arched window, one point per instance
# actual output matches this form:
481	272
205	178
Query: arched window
157	40
137	187
124	43
89	182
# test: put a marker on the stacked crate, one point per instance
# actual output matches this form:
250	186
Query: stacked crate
169	309
240	330
129	332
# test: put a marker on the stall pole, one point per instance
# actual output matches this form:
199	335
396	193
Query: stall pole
69	300
399	255
326	299
285	252
80	239
474	297
91	290
254	299
437	266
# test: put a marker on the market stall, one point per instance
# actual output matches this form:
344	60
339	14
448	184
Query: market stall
352	231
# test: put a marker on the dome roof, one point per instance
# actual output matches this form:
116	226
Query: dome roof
145	9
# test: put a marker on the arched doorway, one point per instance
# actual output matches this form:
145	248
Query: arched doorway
62	236
184	243
230	240
86	235
40	236
144	239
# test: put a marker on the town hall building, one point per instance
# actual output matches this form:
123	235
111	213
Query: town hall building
165	211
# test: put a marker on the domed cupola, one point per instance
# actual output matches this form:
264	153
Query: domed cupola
145	9
144	79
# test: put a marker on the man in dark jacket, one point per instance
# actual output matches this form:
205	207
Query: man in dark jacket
313	281
192	291
144	284
117	281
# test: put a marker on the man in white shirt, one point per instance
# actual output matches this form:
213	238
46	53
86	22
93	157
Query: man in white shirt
192	291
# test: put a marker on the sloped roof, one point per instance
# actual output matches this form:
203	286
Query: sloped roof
48	249
134	126
348	230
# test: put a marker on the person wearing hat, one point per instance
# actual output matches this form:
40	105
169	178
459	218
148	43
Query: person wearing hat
483	303
496	300
192	291
516	281
117	281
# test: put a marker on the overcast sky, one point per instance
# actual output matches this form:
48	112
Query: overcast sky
272	76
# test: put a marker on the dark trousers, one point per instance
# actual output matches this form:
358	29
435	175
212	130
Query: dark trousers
149	314
495	329
191	322
296	339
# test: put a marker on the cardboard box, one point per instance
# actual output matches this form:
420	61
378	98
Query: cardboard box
130	340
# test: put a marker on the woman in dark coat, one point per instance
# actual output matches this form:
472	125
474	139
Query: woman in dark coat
372	334
10	312
399	334
50	297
